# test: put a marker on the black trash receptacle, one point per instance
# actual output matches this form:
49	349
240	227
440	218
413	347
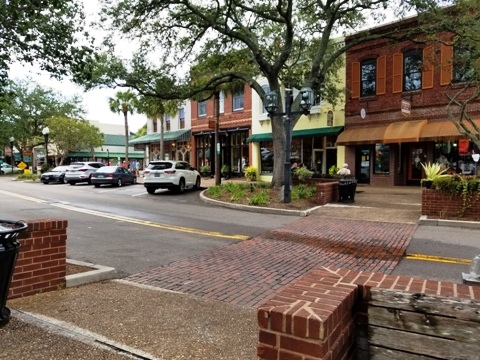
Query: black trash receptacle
346	190
9	249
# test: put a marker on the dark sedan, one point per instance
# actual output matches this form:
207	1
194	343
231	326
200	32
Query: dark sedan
56	175
113	175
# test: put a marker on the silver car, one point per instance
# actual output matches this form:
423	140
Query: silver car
81	171
172	175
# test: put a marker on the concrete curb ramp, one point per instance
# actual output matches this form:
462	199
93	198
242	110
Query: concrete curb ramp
99	273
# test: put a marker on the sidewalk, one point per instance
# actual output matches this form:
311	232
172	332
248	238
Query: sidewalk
205	307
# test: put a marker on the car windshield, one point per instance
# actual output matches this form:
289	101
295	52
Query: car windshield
160	166
60	169
107	169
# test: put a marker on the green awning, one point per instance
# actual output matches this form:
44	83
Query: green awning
177	135
104	154
298	134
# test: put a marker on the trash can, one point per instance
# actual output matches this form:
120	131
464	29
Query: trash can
9	249
346	190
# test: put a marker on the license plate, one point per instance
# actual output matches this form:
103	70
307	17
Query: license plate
100	176
158	175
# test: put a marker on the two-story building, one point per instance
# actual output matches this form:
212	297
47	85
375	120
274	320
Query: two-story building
396	108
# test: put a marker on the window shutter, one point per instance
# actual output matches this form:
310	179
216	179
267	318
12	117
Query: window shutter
446	59
355	80
381	75
397	73
427	72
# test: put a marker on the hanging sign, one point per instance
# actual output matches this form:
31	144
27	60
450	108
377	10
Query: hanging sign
211	124
406	107
463	145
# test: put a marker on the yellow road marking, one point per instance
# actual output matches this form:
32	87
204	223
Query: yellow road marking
130	220
442	259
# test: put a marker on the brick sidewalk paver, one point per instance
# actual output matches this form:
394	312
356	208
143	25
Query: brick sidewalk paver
250	272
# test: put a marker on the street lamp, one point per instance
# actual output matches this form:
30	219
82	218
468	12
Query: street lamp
45	133
271	105
12	140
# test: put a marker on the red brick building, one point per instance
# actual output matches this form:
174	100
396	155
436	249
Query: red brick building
396	109
234	128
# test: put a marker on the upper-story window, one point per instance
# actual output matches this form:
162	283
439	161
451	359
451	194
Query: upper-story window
182	118
368	77
463	63
412	70
167	122
238	101
202	108
155	126
221	102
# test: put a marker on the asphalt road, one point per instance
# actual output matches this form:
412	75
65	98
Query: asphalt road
128	229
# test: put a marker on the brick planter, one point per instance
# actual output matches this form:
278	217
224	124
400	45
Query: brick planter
441	205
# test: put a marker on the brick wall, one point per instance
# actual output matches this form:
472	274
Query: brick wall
41	262
316	317
439	204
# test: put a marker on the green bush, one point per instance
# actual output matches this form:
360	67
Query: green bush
33	177
251	173
332	170
303	191
259	199
302	173
45	167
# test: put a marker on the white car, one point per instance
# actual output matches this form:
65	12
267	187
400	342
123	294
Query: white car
7	169
81	171
172	175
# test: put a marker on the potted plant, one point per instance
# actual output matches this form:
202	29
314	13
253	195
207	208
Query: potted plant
433	171
302	173
204	170
251	173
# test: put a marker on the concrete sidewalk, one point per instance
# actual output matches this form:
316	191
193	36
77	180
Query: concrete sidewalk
205	307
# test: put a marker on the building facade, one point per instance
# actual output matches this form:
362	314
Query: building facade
396	108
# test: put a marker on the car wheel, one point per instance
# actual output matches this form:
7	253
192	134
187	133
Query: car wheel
197	183
181	186
151	190
64	180
96	185
134	181
71	182
2	173
119	182
45	182
90	180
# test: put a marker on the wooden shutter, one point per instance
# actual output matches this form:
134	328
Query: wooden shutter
427	72
446	59
355	80
381	75
397	81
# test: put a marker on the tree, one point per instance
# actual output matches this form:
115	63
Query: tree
287	42
123	102
47	33
69	135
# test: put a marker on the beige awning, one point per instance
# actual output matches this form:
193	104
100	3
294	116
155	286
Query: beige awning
404	131
361	136
444	130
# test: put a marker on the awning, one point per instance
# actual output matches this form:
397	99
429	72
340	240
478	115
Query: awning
104	154
362	136
404	131
299	134
177	135
444	130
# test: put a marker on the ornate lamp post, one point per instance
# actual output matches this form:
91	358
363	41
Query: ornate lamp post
45	133
12	140
306	102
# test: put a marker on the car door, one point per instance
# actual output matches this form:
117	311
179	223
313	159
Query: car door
190	174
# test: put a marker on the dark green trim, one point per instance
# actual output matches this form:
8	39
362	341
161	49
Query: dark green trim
177	135
298	134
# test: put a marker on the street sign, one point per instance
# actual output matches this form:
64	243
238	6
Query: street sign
22	165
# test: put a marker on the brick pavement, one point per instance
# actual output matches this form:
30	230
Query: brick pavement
248	273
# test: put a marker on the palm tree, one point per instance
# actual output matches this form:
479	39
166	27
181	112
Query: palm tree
123	102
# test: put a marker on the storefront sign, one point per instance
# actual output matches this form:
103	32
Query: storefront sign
406	108
211	124
463	145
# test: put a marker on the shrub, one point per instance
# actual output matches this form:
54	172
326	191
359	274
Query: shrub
45	167
302	173
251	173
259	199
332	170
467	187
303	191
33	177
434	171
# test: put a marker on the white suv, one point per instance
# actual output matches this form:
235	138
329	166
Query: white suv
165	174
81	171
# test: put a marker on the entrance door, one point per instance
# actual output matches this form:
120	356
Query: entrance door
362	168
318	161
416	156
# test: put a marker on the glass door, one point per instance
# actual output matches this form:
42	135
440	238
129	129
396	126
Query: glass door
417	156
362	168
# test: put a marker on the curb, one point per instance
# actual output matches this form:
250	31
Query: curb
258	209
99	274
451	223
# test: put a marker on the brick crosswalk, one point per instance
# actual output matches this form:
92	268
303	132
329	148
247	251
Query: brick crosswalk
248	273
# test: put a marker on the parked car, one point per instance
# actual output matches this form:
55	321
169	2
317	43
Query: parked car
113	175
172	175
82	171
7	169
56	175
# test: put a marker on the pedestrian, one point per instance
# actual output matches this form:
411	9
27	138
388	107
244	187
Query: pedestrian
133	168
344	170
124	164
138	168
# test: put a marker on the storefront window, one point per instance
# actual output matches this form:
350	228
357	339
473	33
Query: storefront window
382	159
266	154
456	156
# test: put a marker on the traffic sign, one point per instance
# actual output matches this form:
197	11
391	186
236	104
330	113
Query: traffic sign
22	165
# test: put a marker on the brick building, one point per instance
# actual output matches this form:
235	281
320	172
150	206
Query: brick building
235	120
396	108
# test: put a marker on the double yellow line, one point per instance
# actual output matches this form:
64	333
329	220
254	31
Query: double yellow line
441	259
129	219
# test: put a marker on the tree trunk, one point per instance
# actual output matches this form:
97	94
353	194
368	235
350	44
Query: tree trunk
217	140
162	137
126	137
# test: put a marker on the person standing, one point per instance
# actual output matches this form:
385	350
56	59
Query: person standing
344	170
133	167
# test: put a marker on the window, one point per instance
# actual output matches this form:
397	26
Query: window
463	63
368	77
265	88
182	118
155	126
382	159
412	70
238	101
221	102
202	108
167	123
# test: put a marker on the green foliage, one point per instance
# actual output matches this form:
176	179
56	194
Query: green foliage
433	171
33	177
237	194
260	199
251	173
204	170
45	167
303	173
215	191
225	169
332	170
467	187
303	191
